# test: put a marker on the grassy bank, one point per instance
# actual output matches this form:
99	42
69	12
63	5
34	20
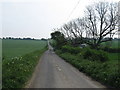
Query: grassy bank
107	72
18	70
19	60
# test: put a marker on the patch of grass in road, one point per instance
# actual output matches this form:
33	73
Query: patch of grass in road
106	72
18	70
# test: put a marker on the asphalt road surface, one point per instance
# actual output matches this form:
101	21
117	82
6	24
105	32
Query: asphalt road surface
54	72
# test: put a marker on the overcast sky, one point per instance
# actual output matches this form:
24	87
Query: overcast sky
37	18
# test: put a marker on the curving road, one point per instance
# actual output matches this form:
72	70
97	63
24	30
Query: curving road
54	72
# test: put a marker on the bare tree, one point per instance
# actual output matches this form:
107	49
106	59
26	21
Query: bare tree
118	19
74	30
66	31
100	24
80	27
100	21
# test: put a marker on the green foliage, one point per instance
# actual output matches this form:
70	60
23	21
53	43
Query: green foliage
86	53
70	49
111	50
94	55
107	73
111	44
89	61
18	70
19	61
114	56
52	43
59	38
58	51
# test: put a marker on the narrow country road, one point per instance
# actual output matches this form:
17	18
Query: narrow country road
54	72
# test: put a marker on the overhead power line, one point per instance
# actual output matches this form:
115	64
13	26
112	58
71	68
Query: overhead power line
73	9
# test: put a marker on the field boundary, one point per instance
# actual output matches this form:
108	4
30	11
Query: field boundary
24	73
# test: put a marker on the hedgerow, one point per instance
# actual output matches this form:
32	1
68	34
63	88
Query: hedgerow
86	53
70	49
94	55
105	72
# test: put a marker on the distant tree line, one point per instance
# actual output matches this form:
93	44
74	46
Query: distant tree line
12	38
43	39
18	38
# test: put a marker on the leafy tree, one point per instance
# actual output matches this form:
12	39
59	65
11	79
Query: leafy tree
59	38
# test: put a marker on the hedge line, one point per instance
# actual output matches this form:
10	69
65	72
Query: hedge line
104	72
111	50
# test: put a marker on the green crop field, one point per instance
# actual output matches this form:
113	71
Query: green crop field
112	44
19	60
14	48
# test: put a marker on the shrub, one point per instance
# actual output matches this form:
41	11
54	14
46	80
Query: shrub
95	55
67	56
111	50
58	51
70	49
104	72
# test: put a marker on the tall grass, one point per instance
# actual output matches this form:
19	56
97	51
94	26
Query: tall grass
18	70
19	60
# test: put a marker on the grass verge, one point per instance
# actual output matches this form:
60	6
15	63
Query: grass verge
18	70
107	72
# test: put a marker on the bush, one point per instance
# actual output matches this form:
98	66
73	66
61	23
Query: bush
90	61
67	56
111	50
58	51
95	55
105	73
86	53
70	49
